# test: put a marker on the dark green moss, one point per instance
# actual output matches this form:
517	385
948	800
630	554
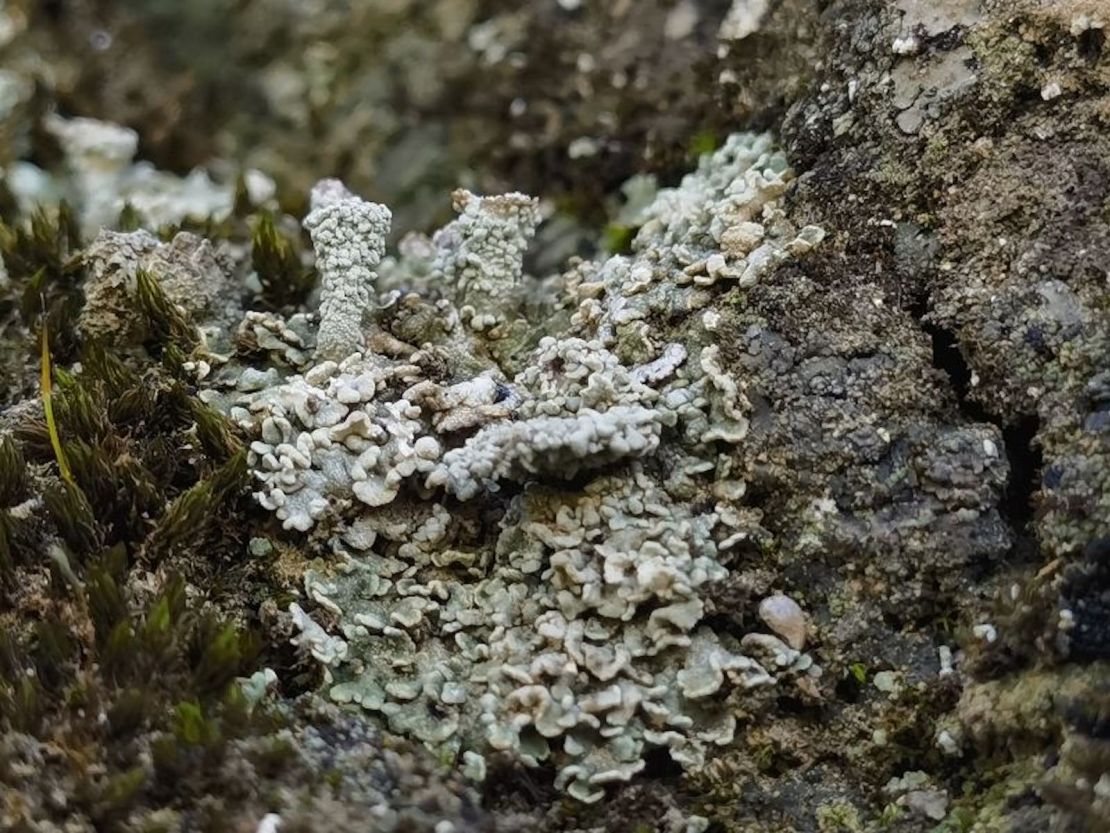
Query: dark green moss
129	218
104	596
45	243
159	671
108	368
9	205
108	800
617	239
73	515
702	142
13	472
167	322
41	258
216	434
188	515
7	546
242	205
276	260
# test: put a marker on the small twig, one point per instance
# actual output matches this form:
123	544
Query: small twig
48	408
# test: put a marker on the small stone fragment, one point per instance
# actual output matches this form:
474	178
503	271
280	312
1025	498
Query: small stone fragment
783	615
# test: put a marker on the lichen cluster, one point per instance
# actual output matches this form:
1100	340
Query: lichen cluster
479	602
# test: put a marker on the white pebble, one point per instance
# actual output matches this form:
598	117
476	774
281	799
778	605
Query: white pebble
782	615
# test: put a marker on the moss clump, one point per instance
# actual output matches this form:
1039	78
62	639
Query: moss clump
152	466
191	511
617	239
41	259
13	472
161	675
838	817
168	323
277	262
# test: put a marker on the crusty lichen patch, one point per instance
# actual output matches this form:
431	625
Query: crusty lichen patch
573	629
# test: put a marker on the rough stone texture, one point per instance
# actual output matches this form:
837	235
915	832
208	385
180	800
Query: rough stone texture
192	273
969	211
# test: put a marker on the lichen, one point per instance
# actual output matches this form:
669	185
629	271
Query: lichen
480	255
348	234
579	641
104	179
575	629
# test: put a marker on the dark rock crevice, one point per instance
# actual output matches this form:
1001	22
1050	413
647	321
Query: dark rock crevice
1019	436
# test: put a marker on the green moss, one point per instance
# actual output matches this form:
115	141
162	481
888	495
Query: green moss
104	596
93	663
22	702
44	244
190	726
53	650
158	670
889	817
7	546
41	259
122	492
104	366
80	409
276	260
73	515
190	512
703	142
168	323
9	205
130	712
216	434
895	174
938	152
617	239
224	653
838	817
241	205
112	798
13	472
129	218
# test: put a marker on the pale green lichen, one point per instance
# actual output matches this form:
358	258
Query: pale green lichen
348	235
104	179
580	641
480	255
482	600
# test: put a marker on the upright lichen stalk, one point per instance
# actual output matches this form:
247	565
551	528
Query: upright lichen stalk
481	254
348	235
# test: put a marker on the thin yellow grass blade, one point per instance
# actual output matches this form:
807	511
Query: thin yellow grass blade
48	408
